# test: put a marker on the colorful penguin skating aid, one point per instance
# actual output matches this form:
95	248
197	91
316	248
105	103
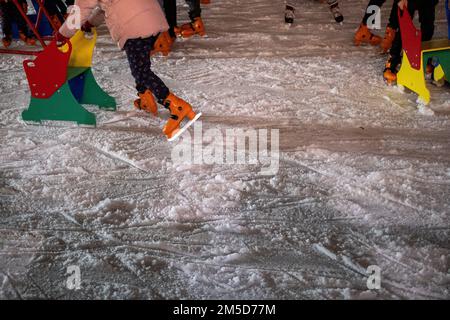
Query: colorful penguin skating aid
417	54
61	81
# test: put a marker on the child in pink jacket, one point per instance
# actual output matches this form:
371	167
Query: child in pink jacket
135	25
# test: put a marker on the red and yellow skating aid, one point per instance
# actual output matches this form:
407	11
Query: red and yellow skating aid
48	72
416	55
82	49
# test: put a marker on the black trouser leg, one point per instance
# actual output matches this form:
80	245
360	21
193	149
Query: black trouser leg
62	8
194	9
6	18
427	17
393	18
19	20
170	9
51	8
395	52
378	3
56	8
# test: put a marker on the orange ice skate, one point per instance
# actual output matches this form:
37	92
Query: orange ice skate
363	35
187	30
146	102
179	110
29	41
163	44
7	41
389	76
388	39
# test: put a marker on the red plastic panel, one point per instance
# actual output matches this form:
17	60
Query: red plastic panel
411	39
48	72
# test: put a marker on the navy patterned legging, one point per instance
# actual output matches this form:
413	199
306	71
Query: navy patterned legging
138	54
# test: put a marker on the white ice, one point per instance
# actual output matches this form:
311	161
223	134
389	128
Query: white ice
364	174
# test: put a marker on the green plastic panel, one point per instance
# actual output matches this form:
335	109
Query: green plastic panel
94	95
62	106
73	72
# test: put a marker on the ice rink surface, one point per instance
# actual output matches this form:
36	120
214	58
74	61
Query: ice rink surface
364	176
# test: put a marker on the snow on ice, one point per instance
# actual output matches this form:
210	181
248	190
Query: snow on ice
363	179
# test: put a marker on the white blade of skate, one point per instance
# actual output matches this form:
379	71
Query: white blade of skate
190	123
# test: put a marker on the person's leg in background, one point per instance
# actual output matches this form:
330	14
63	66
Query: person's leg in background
52	8
195	10
427	18
363	35
393	17
289	11
5	8
166	39
196	25
62	9
292	5
335	10
391	28
368	14
170	9
24	32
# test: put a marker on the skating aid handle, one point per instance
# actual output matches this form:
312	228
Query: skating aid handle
53	48
83	49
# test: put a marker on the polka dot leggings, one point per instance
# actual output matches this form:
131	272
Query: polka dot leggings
138	54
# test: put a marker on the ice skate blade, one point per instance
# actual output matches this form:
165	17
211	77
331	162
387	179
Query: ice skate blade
180	132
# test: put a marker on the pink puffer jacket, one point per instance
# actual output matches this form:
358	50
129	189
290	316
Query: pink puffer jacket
125	19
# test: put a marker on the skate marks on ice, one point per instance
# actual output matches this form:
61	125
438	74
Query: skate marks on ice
109	200
263	242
